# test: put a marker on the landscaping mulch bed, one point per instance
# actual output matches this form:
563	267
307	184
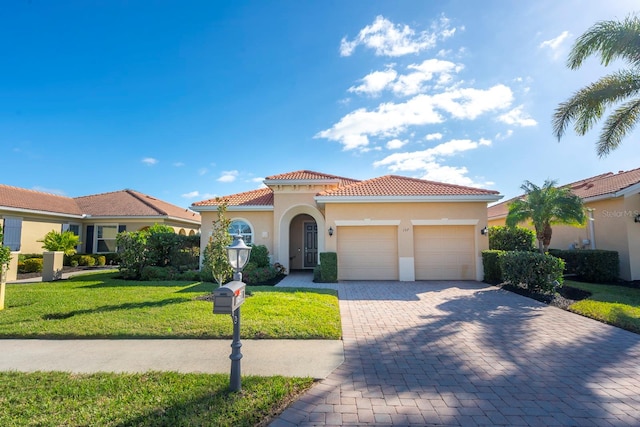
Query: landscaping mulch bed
565	296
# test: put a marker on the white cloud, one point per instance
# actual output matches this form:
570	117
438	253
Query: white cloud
258	180
376	82
228	176
202	171
555	44
178	164
394	144
517	117
433	136
390	119
191	195
429	162
412	83
150	161
507	134
389	39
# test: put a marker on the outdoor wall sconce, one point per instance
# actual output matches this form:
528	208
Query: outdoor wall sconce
330	231
637	218
484	231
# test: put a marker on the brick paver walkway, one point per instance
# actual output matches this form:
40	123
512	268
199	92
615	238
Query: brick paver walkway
467	354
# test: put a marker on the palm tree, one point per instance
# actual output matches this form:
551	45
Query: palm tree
545	206
611	40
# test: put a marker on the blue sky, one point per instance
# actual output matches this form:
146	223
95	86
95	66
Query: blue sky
187	100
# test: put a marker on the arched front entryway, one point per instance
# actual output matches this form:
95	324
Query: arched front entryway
300	237
303	242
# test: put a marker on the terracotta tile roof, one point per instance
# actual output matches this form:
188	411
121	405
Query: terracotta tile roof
393	185
306	175
259	197
608	183
599	185
21	198
131	203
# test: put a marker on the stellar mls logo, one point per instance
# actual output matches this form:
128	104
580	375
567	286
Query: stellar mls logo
620	214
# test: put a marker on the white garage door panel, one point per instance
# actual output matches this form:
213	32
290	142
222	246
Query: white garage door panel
444	252
367	253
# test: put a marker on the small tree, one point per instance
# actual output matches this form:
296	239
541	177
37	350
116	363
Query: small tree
5	257
545	206
65	242
215	254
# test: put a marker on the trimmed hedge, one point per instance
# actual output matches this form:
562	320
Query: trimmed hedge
31	265
491	265
591	265
503	238
328	268
538	272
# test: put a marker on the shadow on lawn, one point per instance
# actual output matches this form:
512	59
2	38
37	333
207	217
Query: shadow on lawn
108	308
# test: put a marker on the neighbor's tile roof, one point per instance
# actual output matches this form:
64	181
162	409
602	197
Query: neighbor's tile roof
394	185
131	203
306	175
259	197
21	198
599	185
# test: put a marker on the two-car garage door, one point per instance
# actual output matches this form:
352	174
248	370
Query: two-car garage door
441	252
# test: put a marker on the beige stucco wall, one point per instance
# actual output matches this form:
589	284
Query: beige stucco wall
33	230
261	223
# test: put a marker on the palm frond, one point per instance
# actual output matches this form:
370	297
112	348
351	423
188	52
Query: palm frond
618	124
587	105
611	40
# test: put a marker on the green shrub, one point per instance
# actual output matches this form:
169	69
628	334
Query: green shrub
151	272
537	272
73	263
86	260
257	275
132	253
491	265
31	265
503	238
317	274
328	267
191	276
56	241
23	257
100	260
113	258
591	265
260	255
162	243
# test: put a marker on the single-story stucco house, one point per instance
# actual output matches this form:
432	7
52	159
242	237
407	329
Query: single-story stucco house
27	216
613	207
385	228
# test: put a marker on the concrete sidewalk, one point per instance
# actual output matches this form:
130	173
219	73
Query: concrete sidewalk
300	358
313	358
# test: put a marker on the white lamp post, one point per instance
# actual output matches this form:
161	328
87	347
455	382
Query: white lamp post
238	254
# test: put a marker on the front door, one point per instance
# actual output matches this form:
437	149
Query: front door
310	244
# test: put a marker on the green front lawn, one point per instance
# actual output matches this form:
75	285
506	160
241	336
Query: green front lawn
100	306
149	399
616	305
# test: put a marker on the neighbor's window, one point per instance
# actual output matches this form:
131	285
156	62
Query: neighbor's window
12	232
106	238
242	228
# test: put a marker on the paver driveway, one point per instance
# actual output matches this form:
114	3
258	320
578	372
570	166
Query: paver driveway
465	353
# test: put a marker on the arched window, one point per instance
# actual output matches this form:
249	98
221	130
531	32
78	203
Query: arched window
242	228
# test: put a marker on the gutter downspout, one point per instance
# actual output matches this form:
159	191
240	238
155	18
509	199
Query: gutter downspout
592	233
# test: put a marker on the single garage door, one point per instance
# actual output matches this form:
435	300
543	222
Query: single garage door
367	253
444	252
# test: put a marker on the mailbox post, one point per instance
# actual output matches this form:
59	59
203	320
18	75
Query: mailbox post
227	299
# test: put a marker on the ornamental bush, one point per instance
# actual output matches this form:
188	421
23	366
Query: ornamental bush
503	238
591	265
31	265
491	265
260	255
535	271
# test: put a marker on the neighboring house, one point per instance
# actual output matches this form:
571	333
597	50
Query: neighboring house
27	215
386	228
613	208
